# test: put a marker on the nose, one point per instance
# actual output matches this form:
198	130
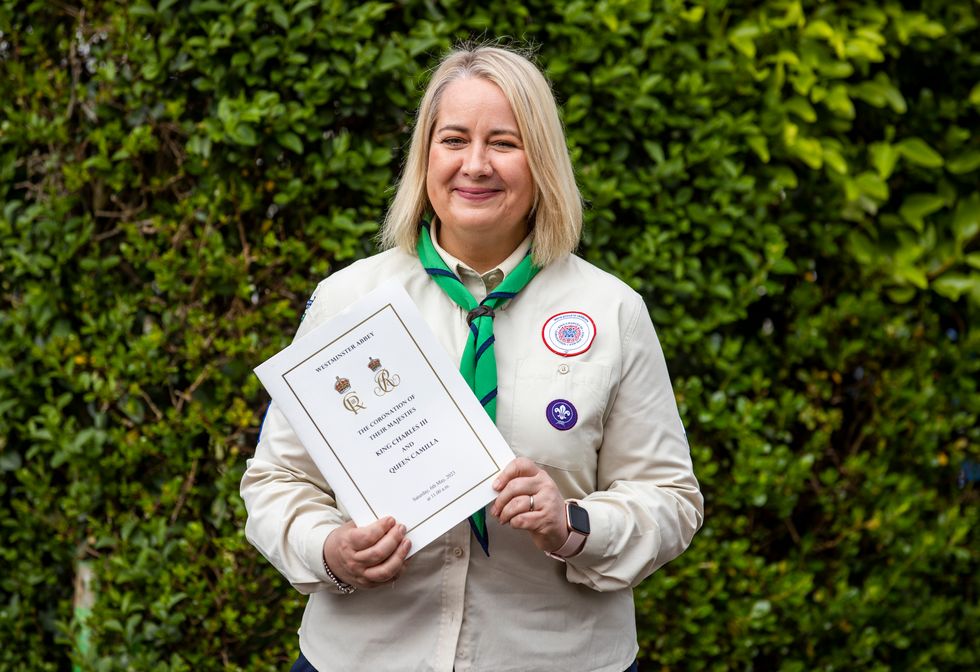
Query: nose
476	161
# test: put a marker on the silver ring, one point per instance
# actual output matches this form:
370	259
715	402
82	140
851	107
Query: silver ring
532	504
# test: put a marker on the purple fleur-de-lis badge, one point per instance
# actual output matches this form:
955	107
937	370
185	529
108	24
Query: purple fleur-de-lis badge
561	414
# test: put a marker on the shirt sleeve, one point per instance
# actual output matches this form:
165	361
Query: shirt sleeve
291	509
647	504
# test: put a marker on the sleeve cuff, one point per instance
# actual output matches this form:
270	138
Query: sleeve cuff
313	556
600	537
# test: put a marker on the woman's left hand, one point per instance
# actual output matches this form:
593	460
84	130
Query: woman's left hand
529	500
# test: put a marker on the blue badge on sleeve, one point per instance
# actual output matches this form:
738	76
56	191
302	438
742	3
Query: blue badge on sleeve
562	414
309	304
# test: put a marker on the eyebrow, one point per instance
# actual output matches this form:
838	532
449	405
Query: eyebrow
493	131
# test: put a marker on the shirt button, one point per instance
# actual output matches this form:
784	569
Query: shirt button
563	369
458	552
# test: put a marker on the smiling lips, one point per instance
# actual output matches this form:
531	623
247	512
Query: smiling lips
476	194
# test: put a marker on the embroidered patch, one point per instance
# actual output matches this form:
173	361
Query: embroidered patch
562	414
569	334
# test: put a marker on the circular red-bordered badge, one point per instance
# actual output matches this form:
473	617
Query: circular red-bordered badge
568	334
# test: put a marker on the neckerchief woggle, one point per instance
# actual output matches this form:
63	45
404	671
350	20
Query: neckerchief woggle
478	364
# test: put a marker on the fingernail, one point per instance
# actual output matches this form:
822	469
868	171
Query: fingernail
496	484
402	529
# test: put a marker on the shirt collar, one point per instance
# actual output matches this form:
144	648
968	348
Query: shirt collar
461	268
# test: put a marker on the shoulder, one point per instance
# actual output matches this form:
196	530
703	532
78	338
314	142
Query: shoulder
344	286
384	263
574	274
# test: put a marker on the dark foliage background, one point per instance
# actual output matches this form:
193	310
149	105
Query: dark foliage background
792	186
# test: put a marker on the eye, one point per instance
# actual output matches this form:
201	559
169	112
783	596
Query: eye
505	144
452	141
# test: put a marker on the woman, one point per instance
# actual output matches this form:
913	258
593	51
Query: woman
603	491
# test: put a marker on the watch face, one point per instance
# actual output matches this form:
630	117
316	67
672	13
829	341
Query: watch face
578	518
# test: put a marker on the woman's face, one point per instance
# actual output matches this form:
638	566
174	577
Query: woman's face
478	179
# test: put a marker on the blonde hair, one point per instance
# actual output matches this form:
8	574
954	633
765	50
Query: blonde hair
556	217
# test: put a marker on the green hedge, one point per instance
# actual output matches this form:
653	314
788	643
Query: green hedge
792	188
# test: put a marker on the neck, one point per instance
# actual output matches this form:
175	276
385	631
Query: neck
479	252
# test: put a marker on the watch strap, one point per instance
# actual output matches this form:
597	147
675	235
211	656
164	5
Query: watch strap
571	546
575	542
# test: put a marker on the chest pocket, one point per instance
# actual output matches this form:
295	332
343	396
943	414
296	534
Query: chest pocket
538	384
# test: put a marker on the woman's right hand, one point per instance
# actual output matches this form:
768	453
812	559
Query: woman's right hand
367	556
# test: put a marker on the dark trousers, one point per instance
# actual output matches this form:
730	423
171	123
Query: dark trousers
303	665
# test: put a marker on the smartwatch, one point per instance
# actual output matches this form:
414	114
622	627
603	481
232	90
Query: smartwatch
577	520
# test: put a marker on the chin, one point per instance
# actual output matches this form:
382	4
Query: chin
475	220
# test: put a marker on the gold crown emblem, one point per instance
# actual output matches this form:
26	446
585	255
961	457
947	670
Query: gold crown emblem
342	385
374	364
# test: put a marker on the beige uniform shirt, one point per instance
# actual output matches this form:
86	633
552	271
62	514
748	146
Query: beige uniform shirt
626	459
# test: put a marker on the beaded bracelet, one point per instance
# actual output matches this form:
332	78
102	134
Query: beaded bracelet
345	588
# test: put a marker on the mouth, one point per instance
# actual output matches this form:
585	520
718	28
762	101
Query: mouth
476	193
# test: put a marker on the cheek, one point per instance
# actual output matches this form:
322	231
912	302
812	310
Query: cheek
527	186
521	175
441	163
432	179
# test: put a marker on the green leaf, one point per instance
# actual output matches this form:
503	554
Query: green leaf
742	37
863	49
964	162
883	158
10	461
243	134
654	150
894	97
880	92
838	102
911	274
141	9
783	177
802	108
290	141
784	266
809	151
279	15
955	285
974	96
872	185
818	29
966	218
693	15
919	206
833	158
391	57
759	145
302	6
862	249
901	294
917	151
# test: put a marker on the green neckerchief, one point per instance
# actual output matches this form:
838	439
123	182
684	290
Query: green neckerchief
478	364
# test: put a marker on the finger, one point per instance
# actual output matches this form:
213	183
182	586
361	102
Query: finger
518	467
518	506
382	550
390	569
518	487
369	535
